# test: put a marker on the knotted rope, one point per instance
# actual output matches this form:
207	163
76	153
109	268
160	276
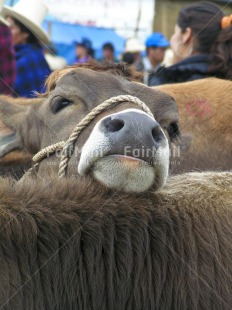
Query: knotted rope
68	146
48	150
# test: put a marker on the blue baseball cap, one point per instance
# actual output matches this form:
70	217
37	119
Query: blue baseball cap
84	42
157	39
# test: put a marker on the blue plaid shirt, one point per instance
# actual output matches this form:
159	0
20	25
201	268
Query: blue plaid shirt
31	70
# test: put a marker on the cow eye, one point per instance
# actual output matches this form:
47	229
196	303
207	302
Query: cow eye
173	131
59	103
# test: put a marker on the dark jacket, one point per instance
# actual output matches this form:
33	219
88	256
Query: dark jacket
192	68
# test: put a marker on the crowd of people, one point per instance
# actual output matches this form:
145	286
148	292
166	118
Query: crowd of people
201	46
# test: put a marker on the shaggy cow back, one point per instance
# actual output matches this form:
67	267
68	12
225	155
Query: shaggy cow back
65	247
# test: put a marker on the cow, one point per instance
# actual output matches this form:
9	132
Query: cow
201	121
205	124
66	244
109	142
15	162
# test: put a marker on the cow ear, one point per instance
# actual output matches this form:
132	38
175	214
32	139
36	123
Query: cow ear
11	116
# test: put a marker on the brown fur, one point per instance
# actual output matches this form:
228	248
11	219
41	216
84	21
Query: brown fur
205	123
121	69
15	164
69	245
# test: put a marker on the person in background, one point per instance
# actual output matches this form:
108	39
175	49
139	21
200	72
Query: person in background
108	52
7	57
91	52
132	53
84	50
25	20
128	58
156	45
202	45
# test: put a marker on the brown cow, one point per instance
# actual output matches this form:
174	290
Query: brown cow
74	245
203	117
14	162
71	94
205	109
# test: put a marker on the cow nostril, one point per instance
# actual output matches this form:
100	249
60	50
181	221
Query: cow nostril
115	125
157	134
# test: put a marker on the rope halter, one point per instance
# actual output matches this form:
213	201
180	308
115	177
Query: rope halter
68	146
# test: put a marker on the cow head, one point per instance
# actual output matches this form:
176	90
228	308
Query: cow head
123	147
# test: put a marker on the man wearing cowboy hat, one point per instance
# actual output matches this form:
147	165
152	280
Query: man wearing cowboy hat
25	20
7	57
133	50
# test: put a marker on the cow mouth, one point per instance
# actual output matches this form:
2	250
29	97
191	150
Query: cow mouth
111	158
121	172
127	162
124	172
130	159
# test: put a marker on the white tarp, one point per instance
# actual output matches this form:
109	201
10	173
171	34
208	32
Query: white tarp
122	15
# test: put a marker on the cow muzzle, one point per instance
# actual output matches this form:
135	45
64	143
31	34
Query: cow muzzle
127	151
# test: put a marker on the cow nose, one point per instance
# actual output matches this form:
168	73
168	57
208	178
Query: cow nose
133	133
114	125
117	124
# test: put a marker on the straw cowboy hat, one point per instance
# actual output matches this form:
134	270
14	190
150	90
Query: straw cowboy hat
2	20
134	46
31	14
